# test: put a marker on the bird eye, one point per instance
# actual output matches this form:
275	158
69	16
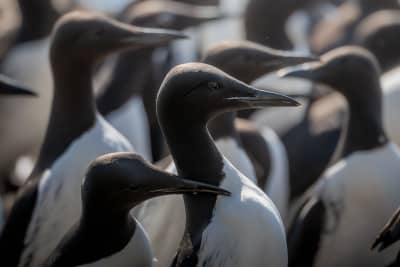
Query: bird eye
133	188
99	32
214	85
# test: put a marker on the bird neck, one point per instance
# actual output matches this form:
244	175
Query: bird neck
363	129
223	126
73	111
130	75
196	157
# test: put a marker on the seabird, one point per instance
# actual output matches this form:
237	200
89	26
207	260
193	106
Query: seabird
344	210
245	230
48	204
247	61
250	150
106	234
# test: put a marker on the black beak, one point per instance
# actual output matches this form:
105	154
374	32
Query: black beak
389	234
150	36
12	87
283	59
309	71
247	97
178	185
167	184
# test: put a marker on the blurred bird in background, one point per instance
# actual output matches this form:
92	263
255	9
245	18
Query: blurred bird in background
194	96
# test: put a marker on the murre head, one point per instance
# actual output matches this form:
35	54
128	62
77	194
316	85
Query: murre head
11	87
247	61
169	14
379	34
87	37
197	91
355	73
119	181
348	69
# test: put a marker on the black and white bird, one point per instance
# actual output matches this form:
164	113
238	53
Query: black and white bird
49	204
106	234
240	141
257	154
344	210
246	229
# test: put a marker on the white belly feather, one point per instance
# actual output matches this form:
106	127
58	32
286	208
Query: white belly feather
277	187
58	205
136	253
246	229
360	193
239	215
237	156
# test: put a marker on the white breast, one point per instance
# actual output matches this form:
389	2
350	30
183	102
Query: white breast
168	213
277	187
237	156
136	253
361	193
246	229
58	204
131	121
159	214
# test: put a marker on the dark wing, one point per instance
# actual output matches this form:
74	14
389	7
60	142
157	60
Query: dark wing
256	149
13	234
389	234
304	234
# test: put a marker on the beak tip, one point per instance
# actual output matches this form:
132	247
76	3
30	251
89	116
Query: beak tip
183	36
293	102
282	73
225	193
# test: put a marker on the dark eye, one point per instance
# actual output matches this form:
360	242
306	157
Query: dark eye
214	85
99	32
134	188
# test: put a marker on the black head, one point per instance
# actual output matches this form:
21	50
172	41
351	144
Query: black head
87	37
248	61
169	14
379	33
349	70
197	91
11	87
119	181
